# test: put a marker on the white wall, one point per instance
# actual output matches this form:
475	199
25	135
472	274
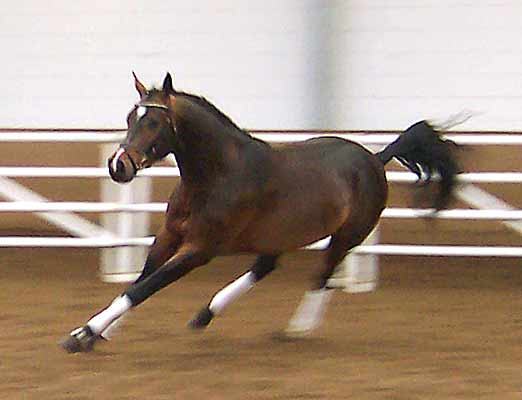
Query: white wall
402	60
69	63
373	64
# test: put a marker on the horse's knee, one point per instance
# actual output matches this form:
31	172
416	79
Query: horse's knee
164	247
263	266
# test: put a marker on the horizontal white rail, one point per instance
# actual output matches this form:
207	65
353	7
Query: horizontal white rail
380	249
444	251
80	206
75	172
101	172
456	213
273	136
384	139
54	241
61	137
99	207
467	177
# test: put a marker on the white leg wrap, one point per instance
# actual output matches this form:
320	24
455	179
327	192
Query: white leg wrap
309	313
101	321
113	328
231	292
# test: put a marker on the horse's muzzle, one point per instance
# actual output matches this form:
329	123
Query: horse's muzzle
121	166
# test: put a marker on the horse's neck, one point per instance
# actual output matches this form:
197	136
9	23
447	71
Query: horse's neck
204	153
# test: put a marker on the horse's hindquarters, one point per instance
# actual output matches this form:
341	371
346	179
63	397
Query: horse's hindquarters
318	188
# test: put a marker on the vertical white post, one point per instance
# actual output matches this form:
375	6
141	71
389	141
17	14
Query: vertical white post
361	271
123	264
358	273
328	66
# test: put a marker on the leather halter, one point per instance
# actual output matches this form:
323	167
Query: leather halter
159	106
153	105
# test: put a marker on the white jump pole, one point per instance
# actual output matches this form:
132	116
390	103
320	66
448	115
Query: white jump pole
123	264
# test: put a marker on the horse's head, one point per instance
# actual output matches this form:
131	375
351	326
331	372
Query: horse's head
150	133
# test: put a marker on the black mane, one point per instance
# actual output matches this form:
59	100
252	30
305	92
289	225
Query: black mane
200	100
203	102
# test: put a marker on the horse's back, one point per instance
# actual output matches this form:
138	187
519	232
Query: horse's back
314	188
328	151
317	146
330	156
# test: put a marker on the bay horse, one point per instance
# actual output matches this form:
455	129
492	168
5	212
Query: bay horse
238	194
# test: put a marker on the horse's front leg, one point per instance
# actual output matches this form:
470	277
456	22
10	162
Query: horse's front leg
84	338
165	245
184	261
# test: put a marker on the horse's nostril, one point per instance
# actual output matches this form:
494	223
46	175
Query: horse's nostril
120	169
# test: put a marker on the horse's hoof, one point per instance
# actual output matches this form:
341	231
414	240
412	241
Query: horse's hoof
80	340
202	319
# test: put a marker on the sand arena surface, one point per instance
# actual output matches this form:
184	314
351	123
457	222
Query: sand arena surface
437	328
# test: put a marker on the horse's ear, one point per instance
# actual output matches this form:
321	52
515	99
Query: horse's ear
167	84
139	86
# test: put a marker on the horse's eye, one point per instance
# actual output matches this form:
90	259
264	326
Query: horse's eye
153	124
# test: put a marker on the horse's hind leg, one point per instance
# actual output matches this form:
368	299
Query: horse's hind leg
262	267
309	314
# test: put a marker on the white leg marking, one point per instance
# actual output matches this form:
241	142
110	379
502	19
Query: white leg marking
309	313
103	319
113	328
117	156
231	292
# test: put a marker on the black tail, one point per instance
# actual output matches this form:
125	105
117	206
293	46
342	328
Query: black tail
421	149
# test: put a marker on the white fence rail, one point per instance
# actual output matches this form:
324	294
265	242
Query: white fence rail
108	207
101	172
366	138
379	249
